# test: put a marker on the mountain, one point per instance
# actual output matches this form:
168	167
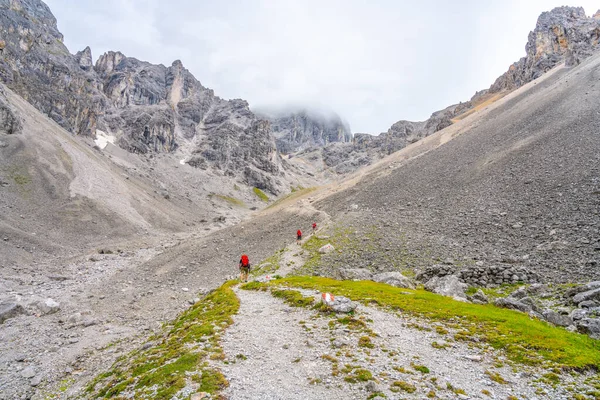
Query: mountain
564	34
141	107
299	130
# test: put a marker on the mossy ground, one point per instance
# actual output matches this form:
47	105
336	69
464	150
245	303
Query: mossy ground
261	195
525	340
228	199
178	357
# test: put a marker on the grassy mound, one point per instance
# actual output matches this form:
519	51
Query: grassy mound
177	358
524	339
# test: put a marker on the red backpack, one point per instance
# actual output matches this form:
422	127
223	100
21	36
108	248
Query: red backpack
245	261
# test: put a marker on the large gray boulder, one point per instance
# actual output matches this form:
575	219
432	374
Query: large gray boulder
10	310
360	274
590	326
513	304
448	285
590	295
394	278
557	319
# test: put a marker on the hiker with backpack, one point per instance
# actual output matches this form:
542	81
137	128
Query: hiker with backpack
314	226
244	268
298	236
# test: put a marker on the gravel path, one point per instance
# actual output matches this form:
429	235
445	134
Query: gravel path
275	351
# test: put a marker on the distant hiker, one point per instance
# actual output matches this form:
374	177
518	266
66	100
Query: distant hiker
244	268
314	227
299	236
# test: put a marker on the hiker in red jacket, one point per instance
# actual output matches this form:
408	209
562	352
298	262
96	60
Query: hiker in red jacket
314	227
244	268
299	236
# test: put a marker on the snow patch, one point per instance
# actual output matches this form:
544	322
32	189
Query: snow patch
182	161
103	139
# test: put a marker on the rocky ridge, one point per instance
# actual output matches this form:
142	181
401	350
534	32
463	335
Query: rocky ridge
146	108
299	130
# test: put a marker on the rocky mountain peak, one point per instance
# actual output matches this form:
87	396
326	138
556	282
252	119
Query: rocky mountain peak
84	58
108	62
597	15
300	129
562	34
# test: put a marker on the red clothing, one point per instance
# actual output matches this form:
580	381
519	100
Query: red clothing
314	225
299	233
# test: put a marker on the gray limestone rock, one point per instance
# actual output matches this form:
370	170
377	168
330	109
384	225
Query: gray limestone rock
513	304
10	310
355	273
479	297
590	326
448	286
48	306
341	304
394	278
557	319
593	294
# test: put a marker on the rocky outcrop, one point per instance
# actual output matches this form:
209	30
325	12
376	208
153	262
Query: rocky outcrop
146	107
563	34
299	130
10	123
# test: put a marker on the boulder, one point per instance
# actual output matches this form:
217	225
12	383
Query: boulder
513	304
479	297
394	278
557	319
590	326
340	304
10	310
448	285
583	288
589	304
328	248
48	306
593	294
356	273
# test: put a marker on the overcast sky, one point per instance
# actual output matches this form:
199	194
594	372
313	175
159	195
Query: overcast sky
372	62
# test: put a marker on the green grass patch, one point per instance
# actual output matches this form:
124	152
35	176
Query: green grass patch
269	265
177	356
496	377
228	199
261	195
404	386
293	297
525	340
421	368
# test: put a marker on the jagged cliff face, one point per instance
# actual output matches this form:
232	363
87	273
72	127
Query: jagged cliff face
303	129
148	108
37	65
563	34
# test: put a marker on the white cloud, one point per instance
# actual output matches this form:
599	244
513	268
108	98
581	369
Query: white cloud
372	62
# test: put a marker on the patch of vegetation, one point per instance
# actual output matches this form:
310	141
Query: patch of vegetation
359	375
261	195
295	194
404	386
365	341
421	368
496	377
269	265
176	356
437	345
525	340
228	199
293	298
255	285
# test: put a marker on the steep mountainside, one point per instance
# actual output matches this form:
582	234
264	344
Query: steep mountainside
303	129
564	34
146	108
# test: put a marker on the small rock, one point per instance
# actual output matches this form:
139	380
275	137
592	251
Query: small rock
590	326
48	306
338	343
36	380
557	319
479	297
361	274
10	310
185	289
588	304
200	396
28	372
328	248
473	358
373	387
593	294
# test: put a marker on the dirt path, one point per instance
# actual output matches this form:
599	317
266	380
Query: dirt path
275	351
